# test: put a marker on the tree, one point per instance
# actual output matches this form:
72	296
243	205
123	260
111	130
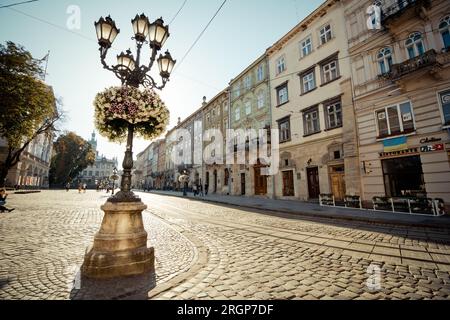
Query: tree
28	106
72	155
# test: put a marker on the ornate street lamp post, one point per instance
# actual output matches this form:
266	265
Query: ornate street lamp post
120	247
131	73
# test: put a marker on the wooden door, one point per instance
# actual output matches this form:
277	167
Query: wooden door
288	184
338	185
260	182
313	183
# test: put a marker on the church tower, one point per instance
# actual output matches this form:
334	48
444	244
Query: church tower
93	143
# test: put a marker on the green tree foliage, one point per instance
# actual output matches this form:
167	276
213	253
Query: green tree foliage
72	154
28	106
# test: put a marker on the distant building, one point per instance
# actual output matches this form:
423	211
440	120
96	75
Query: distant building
33	168
101	171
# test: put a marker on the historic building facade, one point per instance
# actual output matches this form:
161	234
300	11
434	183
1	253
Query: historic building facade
101	171
250	109
312	108
401	77
32	170
215	117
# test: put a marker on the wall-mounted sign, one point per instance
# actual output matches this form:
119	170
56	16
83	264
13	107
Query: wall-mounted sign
401	153
430	140
432	148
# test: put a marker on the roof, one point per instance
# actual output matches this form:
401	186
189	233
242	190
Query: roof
302	26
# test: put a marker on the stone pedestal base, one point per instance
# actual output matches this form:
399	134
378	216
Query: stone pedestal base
120	247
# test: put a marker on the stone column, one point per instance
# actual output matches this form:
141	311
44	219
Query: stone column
120	247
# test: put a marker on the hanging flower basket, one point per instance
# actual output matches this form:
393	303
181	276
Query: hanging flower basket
117	107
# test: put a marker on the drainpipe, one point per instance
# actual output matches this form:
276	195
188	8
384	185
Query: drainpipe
229	127
270	115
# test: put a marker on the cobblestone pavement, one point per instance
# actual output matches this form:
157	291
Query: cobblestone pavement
43	241
252	255
207	251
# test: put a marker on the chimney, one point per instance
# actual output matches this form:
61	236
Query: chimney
204	102
179	120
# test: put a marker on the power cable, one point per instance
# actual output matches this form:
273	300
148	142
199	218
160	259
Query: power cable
178	12
16	4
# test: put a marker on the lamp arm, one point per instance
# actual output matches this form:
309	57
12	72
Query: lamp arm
152	58
149	82
103	53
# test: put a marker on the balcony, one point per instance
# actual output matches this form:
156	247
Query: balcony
407	9
424	62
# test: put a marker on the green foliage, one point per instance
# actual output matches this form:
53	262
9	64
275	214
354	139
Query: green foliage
72	154
25	100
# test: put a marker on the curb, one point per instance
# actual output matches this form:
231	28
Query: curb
316	214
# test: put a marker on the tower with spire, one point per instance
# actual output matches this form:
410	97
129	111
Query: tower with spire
93	143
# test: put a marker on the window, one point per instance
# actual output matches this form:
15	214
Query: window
207	119
308	81
445	103
248	108
325	34
247	83
237	114
333	112
311	121
261	100
281	65
444	28
284	125
306	47
414	45
260	73
330	71
282	94
385	60
237	90
395	120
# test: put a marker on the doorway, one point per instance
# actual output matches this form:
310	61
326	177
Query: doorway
260	182
337	178
243	184
288	184
313	183
215	182
403	177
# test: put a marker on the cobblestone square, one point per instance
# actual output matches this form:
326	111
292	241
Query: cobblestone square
207	251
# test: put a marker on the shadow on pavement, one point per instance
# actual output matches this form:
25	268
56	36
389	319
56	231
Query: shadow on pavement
126	288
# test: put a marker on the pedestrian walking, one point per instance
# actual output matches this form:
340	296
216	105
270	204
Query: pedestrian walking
80	188
201	190
67	186
3	196
84	187
206	189
195	189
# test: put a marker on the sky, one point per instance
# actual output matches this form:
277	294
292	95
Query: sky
240	33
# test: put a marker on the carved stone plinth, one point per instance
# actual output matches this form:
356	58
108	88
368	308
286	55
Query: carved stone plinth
120	247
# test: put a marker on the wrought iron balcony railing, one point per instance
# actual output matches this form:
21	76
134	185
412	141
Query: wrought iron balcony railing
428	59
396	8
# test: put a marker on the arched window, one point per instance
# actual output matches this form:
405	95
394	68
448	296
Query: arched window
444	28
414	45
384	59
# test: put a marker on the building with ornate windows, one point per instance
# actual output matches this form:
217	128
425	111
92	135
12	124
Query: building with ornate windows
33	168
312	107
215	171
250	109
401	82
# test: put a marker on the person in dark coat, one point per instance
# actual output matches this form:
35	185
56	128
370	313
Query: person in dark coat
3	196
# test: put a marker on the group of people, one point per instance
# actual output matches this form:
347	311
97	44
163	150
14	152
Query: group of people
82	187
3	196
199	190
